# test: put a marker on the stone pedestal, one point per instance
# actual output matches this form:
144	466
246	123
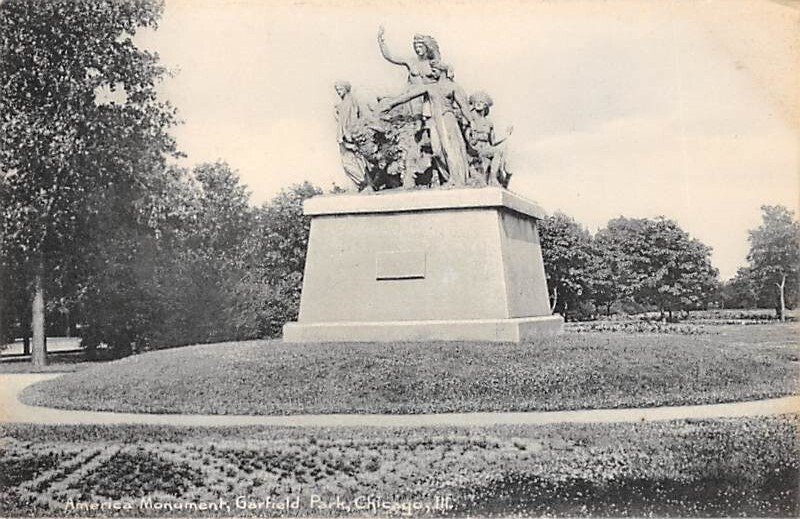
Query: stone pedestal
427	265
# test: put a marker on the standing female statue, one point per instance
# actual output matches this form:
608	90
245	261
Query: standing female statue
447	140
426	51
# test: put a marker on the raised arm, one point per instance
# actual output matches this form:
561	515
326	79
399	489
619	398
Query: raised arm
386	53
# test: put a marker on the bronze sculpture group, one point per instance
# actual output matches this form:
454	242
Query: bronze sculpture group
431	134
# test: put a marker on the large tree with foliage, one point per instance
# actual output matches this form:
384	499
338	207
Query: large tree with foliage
82	129
269	292
774	258
208	259
623	262
568	262
738	292
174	281
682	276
120	295
654	262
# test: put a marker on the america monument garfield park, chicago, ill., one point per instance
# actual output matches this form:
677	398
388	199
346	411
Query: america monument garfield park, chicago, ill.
270	259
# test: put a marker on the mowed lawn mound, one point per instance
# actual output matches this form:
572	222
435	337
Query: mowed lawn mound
572	371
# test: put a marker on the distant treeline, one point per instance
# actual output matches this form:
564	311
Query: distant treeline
640	264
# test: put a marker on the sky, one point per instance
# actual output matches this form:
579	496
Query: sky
683	109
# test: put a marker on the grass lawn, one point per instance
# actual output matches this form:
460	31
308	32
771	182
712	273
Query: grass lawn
572	371
732	467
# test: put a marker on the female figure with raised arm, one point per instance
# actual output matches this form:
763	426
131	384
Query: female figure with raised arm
426	50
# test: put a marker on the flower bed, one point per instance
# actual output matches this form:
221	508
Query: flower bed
707	467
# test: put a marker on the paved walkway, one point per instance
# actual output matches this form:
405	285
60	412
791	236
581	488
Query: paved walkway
13	411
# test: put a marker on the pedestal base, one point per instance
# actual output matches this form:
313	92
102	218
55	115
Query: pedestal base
492	330
426	265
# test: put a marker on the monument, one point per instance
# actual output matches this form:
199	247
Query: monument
429	244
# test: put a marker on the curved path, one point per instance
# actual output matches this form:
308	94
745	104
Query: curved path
13	411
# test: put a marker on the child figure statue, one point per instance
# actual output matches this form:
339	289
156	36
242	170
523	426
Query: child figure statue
488	151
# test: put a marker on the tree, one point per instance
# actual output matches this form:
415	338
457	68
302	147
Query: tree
738	292
171	282
207	259
605	290
774	258
82	128
621	254
568	261
655	262
681	276
269	293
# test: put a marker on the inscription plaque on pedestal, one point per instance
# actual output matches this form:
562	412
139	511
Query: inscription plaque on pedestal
400	265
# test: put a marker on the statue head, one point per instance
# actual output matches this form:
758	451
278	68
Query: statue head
481	102
425	47
342	88
441	70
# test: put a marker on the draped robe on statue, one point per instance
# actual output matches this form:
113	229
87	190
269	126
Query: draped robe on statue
347	115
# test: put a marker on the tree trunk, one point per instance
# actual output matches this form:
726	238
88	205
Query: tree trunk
555	299
782	290
39	353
